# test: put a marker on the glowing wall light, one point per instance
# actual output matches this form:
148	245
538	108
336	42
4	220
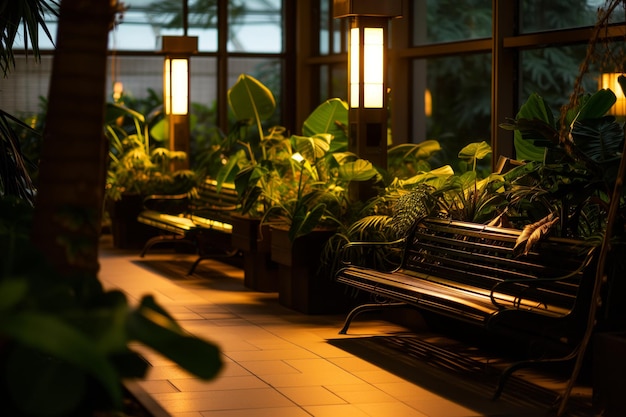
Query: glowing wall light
176	85
610	81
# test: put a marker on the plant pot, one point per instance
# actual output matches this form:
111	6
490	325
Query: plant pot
302	285
260	272
127	232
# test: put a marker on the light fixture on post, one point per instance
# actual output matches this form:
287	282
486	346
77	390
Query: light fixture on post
610	81
177	51
367	73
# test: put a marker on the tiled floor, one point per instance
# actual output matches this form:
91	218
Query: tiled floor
278	363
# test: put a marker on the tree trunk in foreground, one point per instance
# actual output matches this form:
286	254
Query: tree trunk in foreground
69	202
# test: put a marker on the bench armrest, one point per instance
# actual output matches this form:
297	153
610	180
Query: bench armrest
379	255
533	283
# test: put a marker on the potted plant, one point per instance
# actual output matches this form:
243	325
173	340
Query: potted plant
256	157
299	196
138	167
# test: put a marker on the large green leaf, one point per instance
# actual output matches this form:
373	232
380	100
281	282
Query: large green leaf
304	221
597	105
530	144
329	117
154	327
312	147
359	170
249	99
475	151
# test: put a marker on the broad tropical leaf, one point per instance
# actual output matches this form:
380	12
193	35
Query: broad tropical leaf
329	117
249	99
359	170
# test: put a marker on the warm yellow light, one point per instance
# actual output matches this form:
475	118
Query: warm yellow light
428	103
373	61
176	86
609	80
373	71
354	67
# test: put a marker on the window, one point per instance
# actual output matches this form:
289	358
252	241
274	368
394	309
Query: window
460	68
234	36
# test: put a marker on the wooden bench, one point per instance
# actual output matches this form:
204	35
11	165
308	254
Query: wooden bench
202	220
471	273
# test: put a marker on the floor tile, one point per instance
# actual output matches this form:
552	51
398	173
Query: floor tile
315	395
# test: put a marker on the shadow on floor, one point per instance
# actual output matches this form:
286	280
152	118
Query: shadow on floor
464	374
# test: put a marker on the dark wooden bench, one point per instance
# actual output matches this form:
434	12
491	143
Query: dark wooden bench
202	219
471	273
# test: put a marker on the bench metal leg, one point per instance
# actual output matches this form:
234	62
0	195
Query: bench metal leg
227	254
162	238
525	364
367	307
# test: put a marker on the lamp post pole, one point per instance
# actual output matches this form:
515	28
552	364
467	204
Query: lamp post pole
367	79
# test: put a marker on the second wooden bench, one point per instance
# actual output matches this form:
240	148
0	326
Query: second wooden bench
202	220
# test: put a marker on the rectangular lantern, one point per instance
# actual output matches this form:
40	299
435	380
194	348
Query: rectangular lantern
176	75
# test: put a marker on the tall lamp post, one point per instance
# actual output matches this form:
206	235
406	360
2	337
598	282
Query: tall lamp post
367	76
177	51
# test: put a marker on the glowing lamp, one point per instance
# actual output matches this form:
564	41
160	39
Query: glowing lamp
177	51
610	81
176	85
369	43
367	77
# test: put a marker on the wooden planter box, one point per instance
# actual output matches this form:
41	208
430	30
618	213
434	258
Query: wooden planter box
260	272
127	232
302	285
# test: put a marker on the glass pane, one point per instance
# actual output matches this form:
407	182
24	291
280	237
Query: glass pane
541	15
267	71
324	40
552	72
255	26
437	21
146	20
452	103
20	92
333	82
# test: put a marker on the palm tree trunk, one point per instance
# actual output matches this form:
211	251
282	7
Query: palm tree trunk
68	208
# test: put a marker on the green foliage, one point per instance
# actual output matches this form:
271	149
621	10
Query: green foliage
29	14
67	342
578	157
137	165
301	195
15	178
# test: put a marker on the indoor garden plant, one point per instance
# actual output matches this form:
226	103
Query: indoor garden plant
139	166
295	185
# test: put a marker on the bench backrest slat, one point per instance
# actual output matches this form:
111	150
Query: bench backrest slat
481	258
209	198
